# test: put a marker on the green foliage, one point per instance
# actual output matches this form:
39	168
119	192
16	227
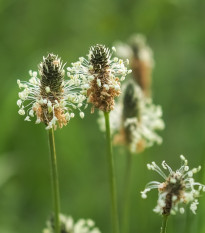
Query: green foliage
31	29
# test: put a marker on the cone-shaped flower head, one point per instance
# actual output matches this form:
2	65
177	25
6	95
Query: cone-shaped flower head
102	76
69	226
135	119
130	100
141	60
178	189
50	98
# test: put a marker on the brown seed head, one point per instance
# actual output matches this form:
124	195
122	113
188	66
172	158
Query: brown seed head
141	67
101	93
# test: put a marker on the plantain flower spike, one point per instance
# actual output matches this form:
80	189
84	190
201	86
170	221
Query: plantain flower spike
102	75
177	190
50	98
135	119
69	226
141	60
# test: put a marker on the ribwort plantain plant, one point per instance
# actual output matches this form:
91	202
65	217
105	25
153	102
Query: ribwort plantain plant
51	99
102	75
139	117
176	191
135	123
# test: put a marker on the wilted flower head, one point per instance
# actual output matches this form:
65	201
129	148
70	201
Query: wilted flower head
135	119
178	189
50	98
69	226
101	75
141	59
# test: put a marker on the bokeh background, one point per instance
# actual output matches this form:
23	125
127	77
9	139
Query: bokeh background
29	30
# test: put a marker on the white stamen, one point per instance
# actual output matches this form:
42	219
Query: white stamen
82	115
47	89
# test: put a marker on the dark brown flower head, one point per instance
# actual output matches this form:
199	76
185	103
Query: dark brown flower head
99	58
52	75
130	102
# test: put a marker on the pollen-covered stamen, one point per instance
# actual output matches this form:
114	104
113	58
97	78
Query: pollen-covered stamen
153	166
166	166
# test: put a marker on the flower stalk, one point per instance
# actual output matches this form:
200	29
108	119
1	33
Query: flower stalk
113	193
126	193
102	76
54	180
164	224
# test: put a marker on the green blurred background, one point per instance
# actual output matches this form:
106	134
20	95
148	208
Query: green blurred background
31	29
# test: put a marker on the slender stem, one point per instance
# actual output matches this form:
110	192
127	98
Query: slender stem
113	194
188	222
164	224
54	180
126	193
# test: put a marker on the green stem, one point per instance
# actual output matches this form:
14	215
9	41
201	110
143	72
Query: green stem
164	224
126	191
113	194
54	180
188	222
